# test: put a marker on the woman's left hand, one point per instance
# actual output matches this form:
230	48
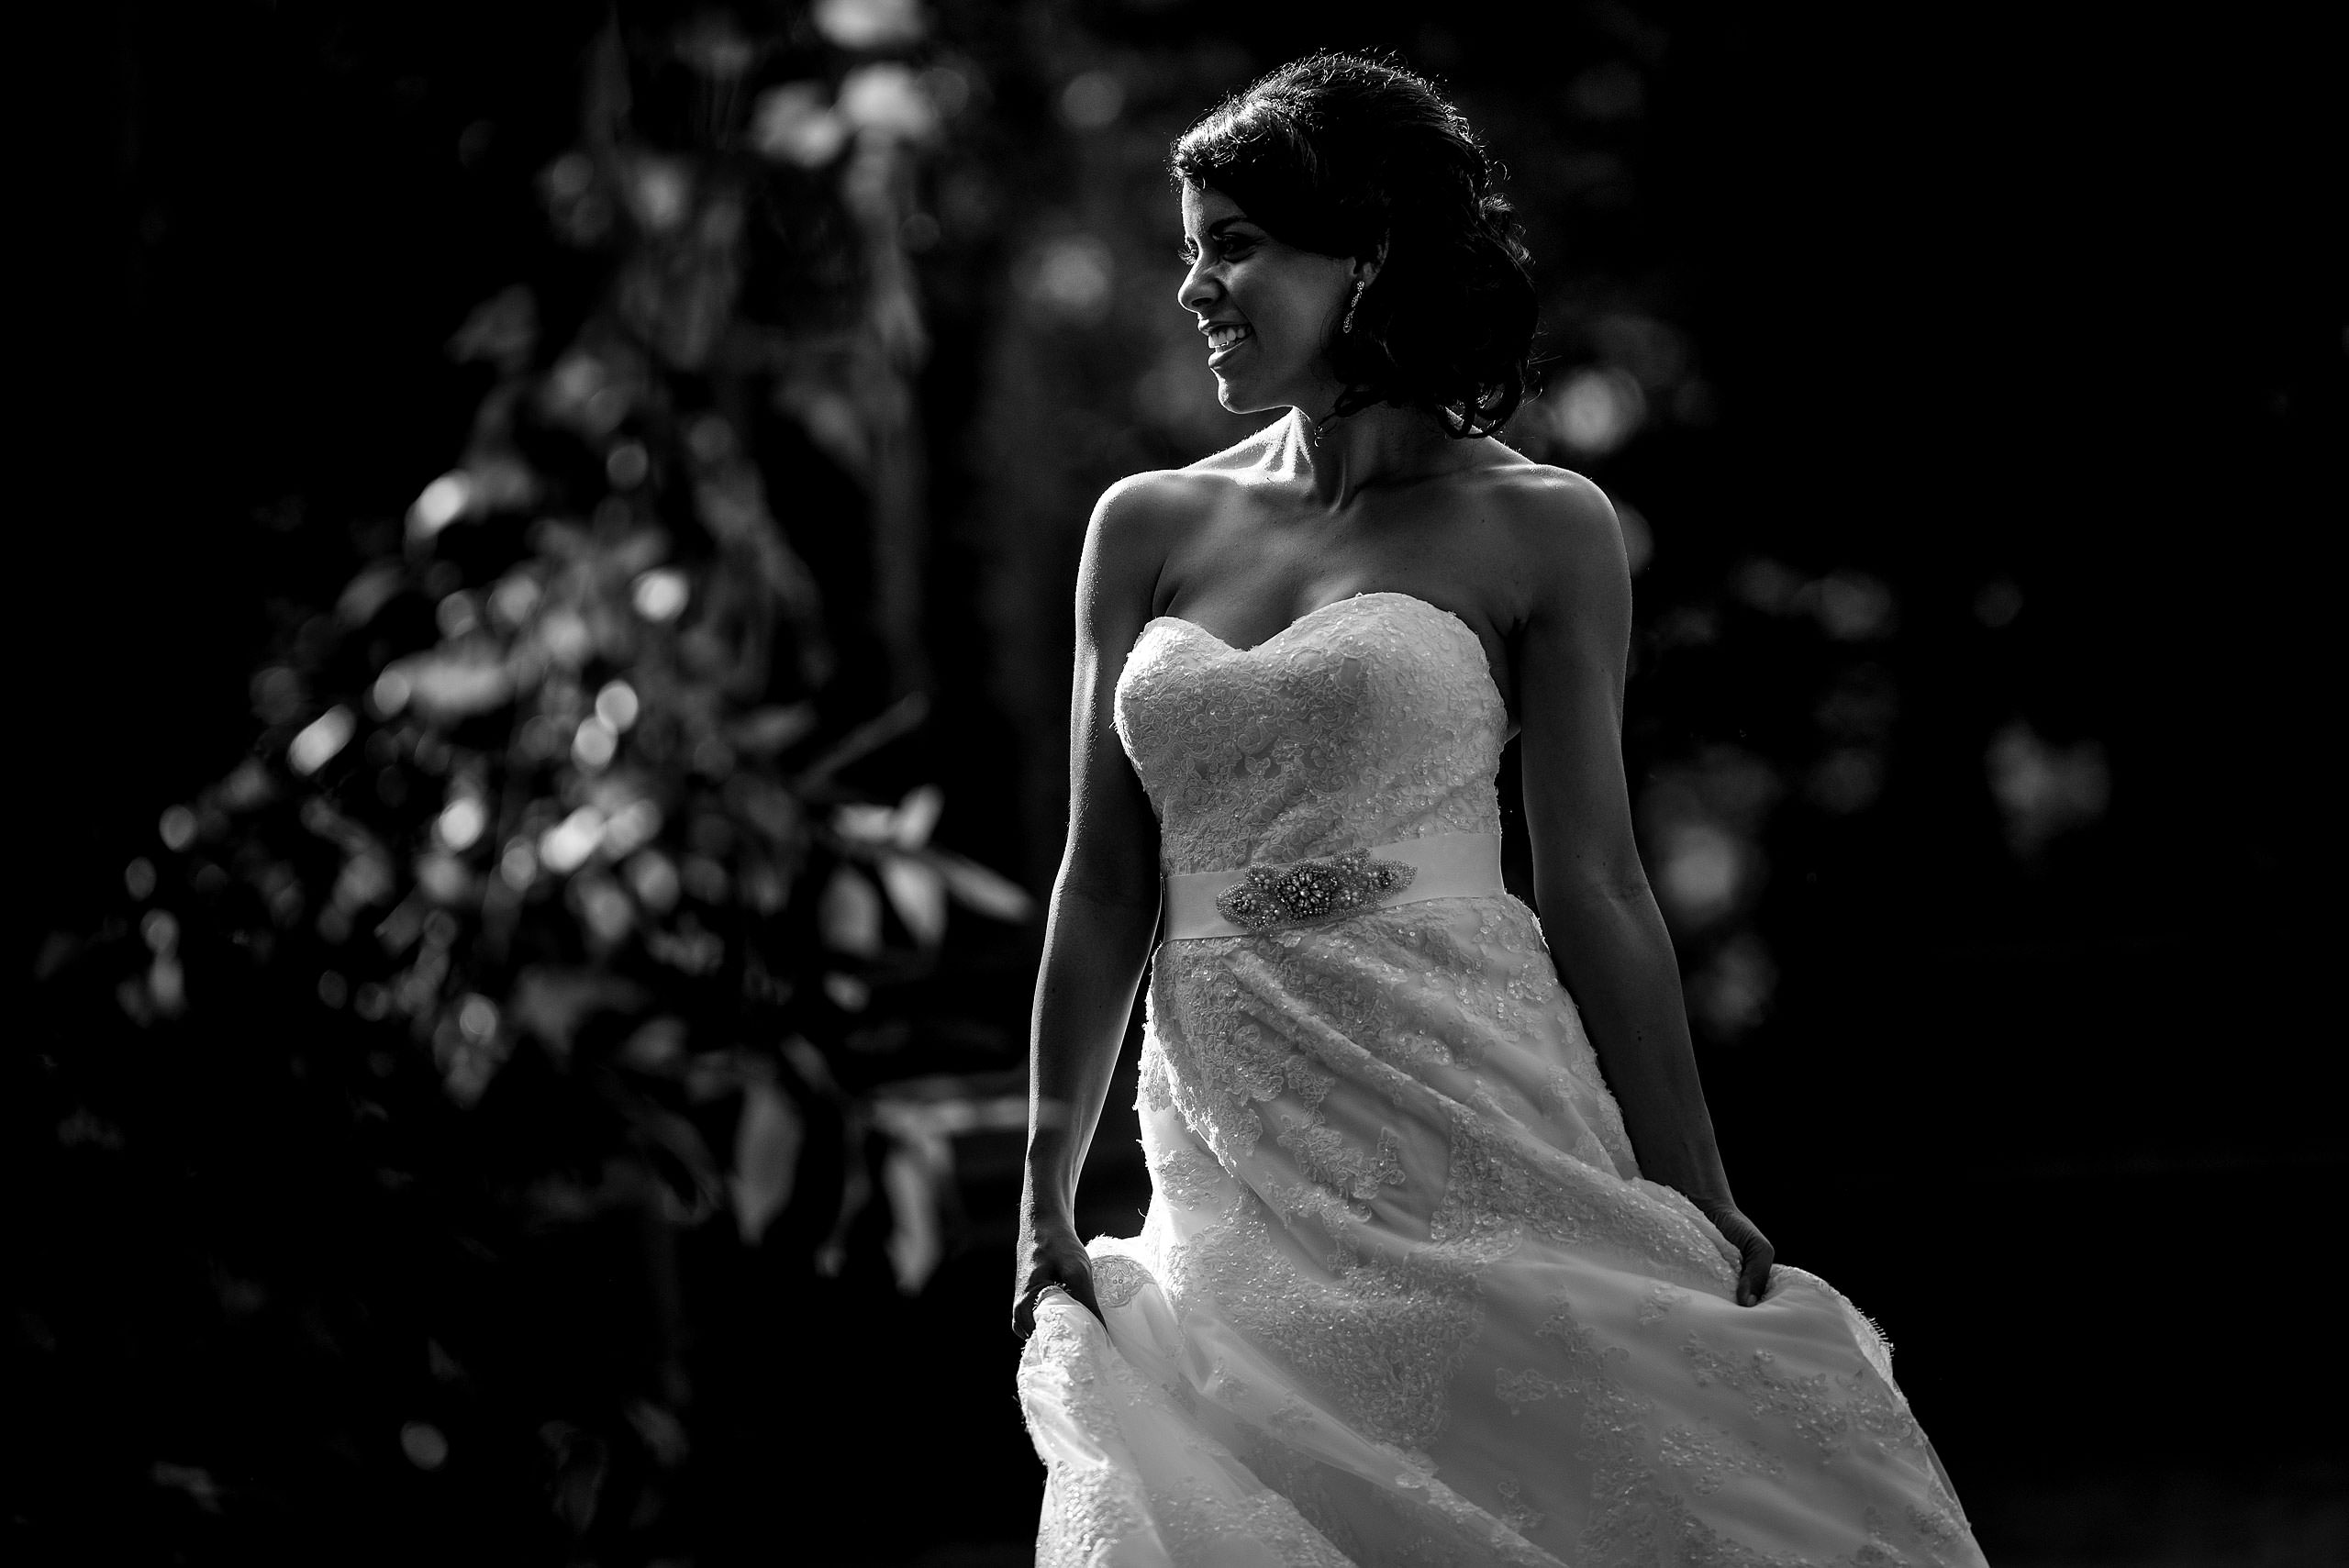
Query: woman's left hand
1755	1253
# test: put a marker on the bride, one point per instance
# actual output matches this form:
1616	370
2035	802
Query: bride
1440	1263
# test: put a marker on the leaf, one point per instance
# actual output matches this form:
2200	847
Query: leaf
794	125
501	483
833	427
866	824
368	593
453	685
850	914
766	1157
918	815
319	743
911	1176
248	787
886	97
917	1168
989	892
810	1063
443	877
770	729
502	329
580	1462
675	1136
658	1047
772	811
552	1003
918	892
366	879
869	24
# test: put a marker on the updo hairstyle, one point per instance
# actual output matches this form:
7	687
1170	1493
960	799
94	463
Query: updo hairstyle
1337	154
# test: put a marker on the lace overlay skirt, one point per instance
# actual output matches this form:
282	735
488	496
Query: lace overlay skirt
1402	1297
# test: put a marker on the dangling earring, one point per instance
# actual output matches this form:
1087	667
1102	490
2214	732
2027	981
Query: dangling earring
1353	305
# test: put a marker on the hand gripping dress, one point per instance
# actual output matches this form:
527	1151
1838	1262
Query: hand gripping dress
1402	1295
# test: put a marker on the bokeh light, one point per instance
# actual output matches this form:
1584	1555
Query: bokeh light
461	821
457	614
1597	410
1730	994
477	1016
440	503
2045	790
1999	603
564	848
1091	100
160	929
1638	539
321	741
869	24
1701	872
661	595
886	99
1074	278
516	596
617	706
425	1445
593	745
391	692
795	123
652	876
1854	607
517	864
629	825
607	911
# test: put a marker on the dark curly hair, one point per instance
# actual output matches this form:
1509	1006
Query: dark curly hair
1341	155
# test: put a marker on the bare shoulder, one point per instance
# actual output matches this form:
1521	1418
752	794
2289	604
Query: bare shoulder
1558	543
1141	516
1553	517
1149	514
1137	526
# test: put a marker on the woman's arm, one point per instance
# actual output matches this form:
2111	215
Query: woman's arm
1600	917
1104	906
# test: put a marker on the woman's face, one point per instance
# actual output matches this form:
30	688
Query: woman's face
1265	308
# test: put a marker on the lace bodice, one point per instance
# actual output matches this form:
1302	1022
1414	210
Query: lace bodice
1369	721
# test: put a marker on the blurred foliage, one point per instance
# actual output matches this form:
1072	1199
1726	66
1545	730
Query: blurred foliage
545	897
564	1021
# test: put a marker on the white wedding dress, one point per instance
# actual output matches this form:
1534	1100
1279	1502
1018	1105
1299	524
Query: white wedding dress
1401	1295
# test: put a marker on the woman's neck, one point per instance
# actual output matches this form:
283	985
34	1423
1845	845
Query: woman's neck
1376	446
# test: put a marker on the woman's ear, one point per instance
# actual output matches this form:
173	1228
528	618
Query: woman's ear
1366	268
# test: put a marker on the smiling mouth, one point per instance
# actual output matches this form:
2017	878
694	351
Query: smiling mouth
1224	337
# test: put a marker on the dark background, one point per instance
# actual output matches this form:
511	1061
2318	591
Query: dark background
2040	296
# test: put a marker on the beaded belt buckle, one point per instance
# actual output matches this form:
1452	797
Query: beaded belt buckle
1311	890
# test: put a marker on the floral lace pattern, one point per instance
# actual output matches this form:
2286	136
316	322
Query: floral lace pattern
1374	713
1402	1295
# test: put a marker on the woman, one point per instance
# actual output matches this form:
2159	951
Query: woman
1425	1277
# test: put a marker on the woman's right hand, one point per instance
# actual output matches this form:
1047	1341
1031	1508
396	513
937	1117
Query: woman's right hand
1049	1254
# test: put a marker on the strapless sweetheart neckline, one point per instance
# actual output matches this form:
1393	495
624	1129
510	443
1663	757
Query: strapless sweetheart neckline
1319	610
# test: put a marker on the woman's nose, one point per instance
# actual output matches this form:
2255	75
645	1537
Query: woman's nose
1198	290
